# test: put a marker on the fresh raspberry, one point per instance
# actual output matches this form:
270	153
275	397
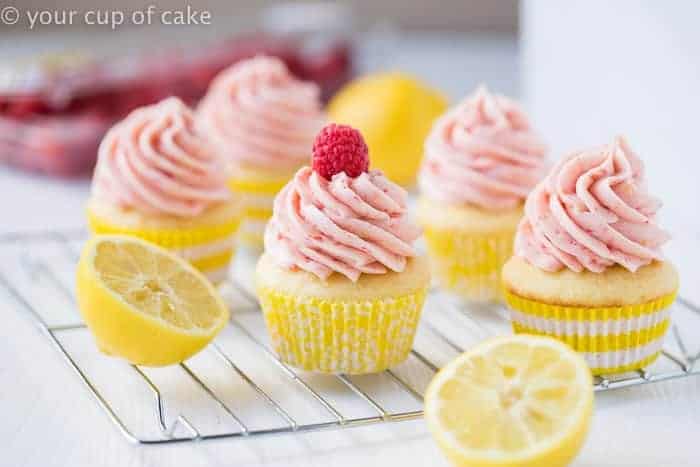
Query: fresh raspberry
339	148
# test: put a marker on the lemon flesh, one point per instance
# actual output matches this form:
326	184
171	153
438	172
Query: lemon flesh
145	304
513	401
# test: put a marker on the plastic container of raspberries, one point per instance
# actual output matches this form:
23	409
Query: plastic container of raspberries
55	110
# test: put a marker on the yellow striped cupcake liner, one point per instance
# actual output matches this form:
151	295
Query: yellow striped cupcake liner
336	336
251	235
252	228
612	339
209	248
269	186
469	264
257	197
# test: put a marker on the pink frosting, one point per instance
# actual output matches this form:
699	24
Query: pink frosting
482	152
592	211
261	116
155	162
347	225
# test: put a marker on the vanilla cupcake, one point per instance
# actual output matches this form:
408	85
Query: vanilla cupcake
588	268
481	160
340	285
158	179
263	121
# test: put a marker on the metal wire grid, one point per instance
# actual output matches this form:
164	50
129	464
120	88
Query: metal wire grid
679	362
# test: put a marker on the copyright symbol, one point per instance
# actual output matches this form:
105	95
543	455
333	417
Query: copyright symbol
9	15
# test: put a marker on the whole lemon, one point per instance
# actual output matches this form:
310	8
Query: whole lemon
394	111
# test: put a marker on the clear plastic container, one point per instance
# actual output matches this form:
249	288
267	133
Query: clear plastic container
54	111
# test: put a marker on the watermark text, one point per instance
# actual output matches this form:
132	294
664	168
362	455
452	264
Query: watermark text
110	18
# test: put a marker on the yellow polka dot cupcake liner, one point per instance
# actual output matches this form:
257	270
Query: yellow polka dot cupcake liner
613	339
337	336
257	197
469	264
208	248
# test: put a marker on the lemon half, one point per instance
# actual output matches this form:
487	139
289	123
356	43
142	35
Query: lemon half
512	401
145	304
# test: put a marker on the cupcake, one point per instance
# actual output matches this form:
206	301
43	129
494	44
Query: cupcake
481	160
339	282
263	121
588	268
158	179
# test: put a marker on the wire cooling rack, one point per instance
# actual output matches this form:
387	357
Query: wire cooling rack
237	387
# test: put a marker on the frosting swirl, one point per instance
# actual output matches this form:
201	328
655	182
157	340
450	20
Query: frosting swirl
155	162
482	152
592	211
347	225
260	115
